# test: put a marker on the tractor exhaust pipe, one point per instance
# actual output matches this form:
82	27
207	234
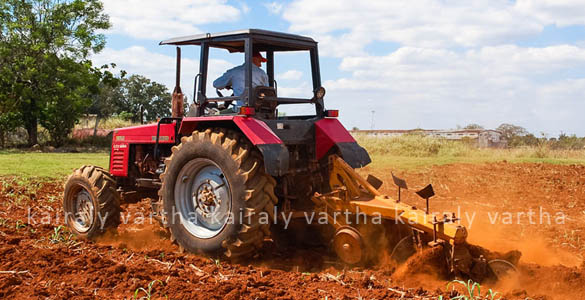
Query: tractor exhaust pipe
177	107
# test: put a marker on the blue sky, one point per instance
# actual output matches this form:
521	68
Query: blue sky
429	64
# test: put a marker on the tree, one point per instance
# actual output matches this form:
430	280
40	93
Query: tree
104	102
510	131
44	39
525	140
568	142
144	100
517	135
9	121
76	83
10	118
9	87
473	126
160	102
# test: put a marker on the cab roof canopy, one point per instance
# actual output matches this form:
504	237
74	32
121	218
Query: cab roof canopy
234	41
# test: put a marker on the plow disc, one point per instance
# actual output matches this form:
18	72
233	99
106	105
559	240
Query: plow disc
404	249
348	245
410	231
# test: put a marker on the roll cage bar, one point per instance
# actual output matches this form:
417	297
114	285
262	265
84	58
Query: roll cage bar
247	41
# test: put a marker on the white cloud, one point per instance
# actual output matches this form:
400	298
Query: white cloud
290	75
437	88
302	90
274	7
151	19
413	23
559	12
344	28
506	61
452	62
245	7
161	68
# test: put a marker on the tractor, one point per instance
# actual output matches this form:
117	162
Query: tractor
220	174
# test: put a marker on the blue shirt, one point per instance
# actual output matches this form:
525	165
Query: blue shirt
236	78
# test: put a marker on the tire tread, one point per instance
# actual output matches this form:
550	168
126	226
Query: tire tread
259	190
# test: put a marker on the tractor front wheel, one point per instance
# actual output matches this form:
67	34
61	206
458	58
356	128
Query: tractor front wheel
216	195
91	202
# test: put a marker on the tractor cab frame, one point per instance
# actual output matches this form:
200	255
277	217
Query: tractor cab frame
288	144
261	99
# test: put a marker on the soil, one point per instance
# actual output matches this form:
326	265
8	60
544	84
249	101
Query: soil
43	261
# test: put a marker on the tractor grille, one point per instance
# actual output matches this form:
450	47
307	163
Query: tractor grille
117	161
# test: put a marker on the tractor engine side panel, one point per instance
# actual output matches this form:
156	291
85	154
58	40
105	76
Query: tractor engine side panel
330	133
123	138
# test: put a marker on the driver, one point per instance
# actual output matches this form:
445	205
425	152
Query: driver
235	78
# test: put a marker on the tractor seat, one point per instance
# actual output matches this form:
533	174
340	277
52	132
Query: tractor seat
265	108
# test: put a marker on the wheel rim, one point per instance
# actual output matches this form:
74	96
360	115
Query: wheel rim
83	211
202	197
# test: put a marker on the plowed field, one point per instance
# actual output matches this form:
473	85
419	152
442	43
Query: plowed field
538	209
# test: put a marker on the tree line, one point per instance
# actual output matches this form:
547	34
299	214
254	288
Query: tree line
48	79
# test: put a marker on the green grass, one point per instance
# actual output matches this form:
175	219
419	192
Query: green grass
148	291
406	152
47	165
472	291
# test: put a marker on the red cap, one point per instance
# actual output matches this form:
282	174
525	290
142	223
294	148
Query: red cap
257	54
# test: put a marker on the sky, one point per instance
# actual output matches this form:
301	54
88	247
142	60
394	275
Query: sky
386	64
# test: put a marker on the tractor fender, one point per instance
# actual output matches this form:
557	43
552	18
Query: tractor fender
275	153
329	133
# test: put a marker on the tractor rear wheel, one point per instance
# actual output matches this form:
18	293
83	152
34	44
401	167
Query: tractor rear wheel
216	195
91	202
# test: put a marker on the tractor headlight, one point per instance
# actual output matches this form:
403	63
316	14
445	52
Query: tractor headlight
320	93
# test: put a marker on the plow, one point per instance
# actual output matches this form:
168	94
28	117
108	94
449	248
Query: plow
214	172
422	231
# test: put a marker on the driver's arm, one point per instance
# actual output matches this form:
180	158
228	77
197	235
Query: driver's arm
223	81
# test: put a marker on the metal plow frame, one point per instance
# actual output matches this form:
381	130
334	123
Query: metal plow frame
352	193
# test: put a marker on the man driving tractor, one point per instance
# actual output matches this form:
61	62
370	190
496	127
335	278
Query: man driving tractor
234	78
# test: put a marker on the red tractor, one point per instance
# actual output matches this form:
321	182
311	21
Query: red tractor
221	179
208	166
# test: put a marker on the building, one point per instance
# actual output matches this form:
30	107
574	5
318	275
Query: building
492	139
485	138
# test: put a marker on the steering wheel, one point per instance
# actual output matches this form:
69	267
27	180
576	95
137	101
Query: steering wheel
219	94
226	104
